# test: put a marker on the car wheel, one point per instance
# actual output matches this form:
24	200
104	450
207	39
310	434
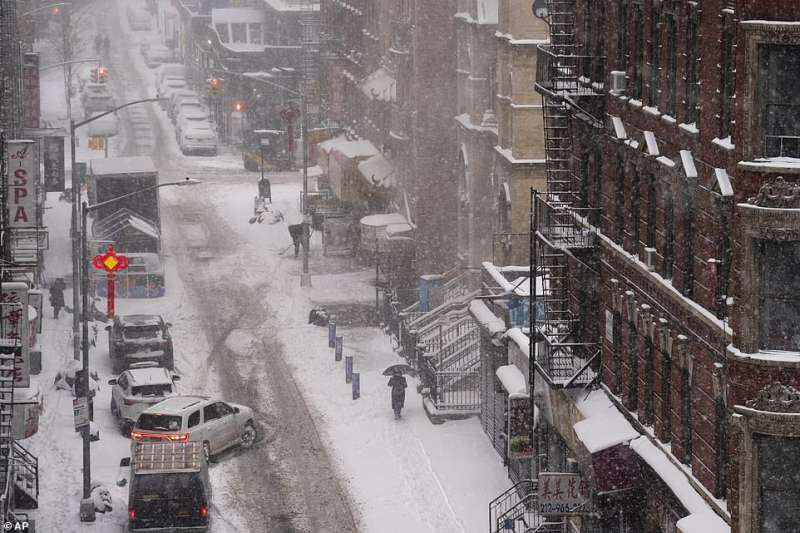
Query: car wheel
207	451
249	435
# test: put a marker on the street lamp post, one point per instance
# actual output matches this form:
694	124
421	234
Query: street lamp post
76	198
87	514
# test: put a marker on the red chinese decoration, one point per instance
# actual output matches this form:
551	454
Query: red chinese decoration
289	114
110	262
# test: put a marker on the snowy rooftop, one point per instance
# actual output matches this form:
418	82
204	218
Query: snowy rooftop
122	165
349	149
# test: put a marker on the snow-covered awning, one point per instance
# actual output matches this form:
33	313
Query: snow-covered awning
377	171
380	86
603	426
347	148
484	316
702	518
374	236
513	381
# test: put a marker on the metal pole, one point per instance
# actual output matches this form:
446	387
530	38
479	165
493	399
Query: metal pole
76	264
87	466
305	277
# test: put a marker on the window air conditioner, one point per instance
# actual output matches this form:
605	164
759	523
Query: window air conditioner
650	258
617	82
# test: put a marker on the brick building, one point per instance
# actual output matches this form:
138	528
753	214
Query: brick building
668	244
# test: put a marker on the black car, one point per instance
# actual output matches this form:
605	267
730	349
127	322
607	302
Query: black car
137	338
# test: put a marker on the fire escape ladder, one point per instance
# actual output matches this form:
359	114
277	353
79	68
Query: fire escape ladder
515	510
6	438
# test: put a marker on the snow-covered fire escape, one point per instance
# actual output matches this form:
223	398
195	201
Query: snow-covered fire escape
563	238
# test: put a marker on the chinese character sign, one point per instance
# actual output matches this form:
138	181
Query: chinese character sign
561	493
14	326
23	172
54	164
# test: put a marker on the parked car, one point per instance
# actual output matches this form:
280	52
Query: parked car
167	87
169	70
180	99
198	139
158	54
136	389
170	489
216	424
189	120
96	98
138	338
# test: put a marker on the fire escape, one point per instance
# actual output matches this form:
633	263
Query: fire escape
563	238
562	244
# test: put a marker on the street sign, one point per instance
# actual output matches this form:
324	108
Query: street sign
80	410
561	493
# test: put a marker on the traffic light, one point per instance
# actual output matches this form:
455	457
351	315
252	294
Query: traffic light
215	86
55	10
102	74
238	106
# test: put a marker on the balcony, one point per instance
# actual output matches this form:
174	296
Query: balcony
559	75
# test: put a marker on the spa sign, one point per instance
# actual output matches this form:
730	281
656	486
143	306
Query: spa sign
23	170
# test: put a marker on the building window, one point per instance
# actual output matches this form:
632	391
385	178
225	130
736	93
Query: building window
692	65
636	202
638	52
672	64
670	238
666	395
688	280
652	206
779	295
620	200
649	382
778	479
622	37
686	415
655	53
238	33
727	81
633	358
255	33
779	99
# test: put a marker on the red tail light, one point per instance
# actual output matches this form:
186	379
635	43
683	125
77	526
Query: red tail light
204	510
131	514
129	402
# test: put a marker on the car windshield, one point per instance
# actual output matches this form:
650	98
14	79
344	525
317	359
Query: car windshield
152	390
141	332
150	422
165	499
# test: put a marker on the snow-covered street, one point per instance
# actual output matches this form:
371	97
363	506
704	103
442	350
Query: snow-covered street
324	462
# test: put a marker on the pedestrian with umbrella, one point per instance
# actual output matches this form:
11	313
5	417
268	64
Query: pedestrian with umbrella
398	384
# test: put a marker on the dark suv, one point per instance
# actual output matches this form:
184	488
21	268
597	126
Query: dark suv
137	338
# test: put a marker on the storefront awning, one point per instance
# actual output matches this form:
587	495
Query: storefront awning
380	86
377	171
347	148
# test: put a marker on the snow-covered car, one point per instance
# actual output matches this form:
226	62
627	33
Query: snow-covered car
136	389
180	99
166	89
189	120
169	70
139	338
158	54
96	98
216	424
198	139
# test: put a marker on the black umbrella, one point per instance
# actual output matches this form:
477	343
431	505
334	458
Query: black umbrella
399	369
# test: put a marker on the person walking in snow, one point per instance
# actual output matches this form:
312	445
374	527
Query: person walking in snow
57	296
296	232
398	384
